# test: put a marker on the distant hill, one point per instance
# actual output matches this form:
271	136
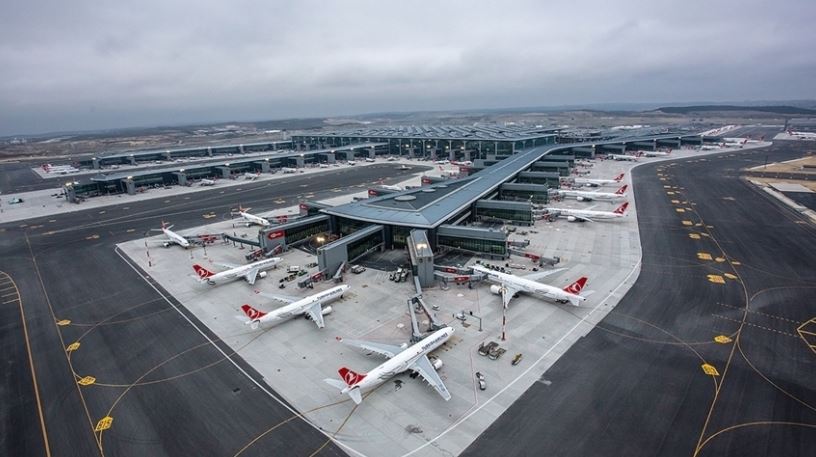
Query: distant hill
782	109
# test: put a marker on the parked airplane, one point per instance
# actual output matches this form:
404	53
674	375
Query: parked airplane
369	159
311	306
206	182
288	170
588	196
654	153
172	237
803	135
250	219
414	358
622	157
587	215
710	147
388	187
442	162
509	285
249	272
351	162
592	182
464	163
251	176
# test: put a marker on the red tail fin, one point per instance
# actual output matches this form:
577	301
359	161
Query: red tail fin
622	208
202	272
252	313
577	286
619	177
349	377
622	189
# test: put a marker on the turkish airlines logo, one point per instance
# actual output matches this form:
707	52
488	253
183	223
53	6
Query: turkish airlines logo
252	313
350	377
573	288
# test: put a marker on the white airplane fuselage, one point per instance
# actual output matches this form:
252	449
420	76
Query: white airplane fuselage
623	157
239	272
590	196
528	286
299	307
400	362
592	182
253	219
175	238
586	213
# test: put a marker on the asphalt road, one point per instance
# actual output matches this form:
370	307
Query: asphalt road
635	385
167	388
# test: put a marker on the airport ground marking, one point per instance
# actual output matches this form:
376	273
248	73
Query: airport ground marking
63	322
716	279
43	429
680	210
694	236
730	276
62	341
73	346
751	324
526	371
688	223
103	424
810	324
709	369
703	256
719	259
752	424
86	381
723	339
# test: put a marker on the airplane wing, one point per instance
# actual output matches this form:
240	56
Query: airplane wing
536	275
508	292
285	299
315	312
426	370
385	350
227	265
251	275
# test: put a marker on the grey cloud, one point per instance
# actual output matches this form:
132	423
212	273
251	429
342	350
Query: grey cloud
92	64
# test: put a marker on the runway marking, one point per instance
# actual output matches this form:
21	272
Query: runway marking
130	230
73	346
755	325
703	256
46	444
709	369
680	210
716	279
722	339
675	202
687	223
730	199
92	237
63	322
734	262
670	193
103	424
719	259
86	381
694	236
729	276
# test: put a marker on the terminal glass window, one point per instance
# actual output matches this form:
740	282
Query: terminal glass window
495	247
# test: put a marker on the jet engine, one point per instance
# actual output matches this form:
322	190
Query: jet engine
324	311
496	289
261	274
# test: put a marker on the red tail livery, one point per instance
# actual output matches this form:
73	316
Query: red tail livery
252	313
349	377
622	189
622	208
575	288
619	177
202	272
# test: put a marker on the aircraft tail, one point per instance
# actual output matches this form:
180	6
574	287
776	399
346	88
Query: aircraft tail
576	287
622	190
622	208
252	313
350	377
619	177
202	272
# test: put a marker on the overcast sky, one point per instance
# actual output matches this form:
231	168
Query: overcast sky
78	65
